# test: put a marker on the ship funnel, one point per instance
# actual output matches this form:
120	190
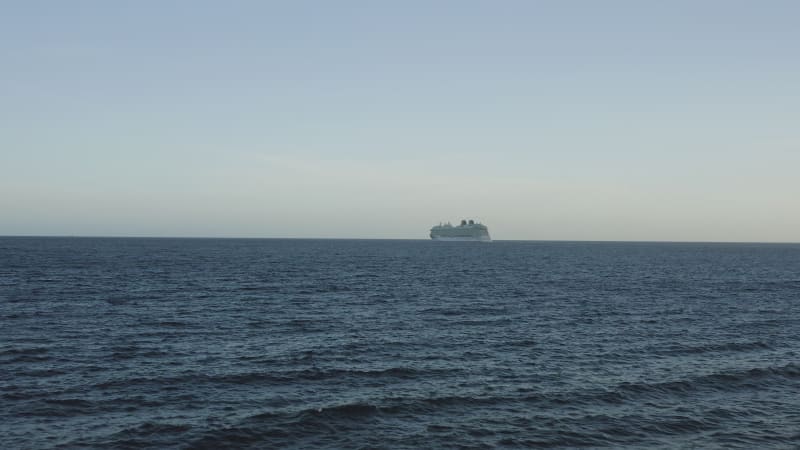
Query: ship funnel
472	222
463	222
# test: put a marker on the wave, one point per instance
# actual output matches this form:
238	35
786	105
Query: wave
26	359
292	376
721	381
68	407
342	425
46	406
145	435
681	349
24	351
333	424
40	373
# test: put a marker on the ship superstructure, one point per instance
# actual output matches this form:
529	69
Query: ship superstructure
467	230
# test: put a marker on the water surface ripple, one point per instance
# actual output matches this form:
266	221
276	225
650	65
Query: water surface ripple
206	343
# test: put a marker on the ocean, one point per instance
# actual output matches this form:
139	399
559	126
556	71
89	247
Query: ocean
270	343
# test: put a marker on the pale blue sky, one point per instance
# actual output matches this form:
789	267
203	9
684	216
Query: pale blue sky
598	120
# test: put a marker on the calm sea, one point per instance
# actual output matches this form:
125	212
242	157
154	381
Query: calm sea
214	343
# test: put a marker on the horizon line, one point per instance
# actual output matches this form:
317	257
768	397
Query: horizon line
644	241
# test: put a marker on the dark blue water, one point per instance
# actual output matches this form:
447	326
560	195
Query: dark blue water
202	343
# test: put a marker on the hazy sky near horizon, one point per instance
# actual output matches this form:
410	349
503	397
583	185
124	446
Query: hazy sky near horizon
562	119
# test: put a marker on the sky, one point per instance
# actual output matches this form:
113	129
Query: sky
563	119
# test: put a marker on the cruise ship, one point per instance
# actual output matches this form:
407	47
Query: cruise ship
466	231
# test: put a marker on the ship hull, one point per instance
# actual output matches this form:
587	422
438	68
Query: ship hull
462	238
